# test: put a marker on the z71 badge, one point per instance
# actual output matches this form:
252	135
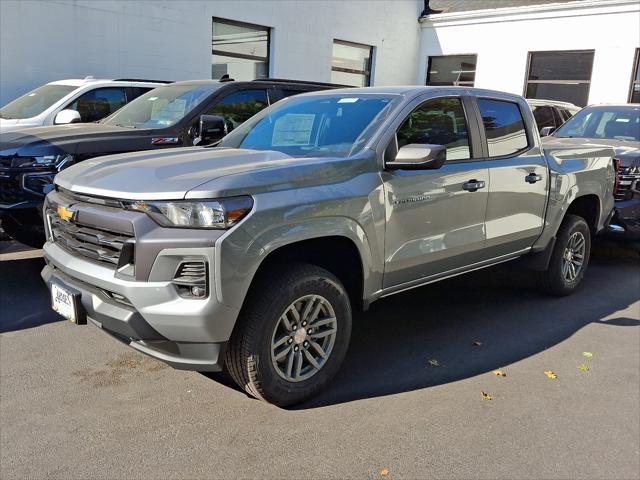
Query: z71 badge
164	140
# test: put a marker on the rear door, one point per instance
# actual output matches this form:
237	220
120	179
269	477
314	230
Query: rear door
518	176
435	218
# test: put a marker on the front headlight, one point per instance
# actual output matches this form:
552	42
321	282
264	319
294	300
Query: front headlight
59	161
221	213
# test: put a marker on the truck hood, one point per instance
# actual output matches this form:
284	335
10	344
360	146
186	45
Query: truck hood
627	152
163	175
55	139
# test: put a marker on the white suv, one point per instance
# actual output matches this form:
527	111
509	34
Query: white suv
71	101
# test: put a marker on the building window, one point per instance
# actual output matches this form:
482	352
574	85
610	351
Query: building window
634	94
564	76
452	70
240	50
351	64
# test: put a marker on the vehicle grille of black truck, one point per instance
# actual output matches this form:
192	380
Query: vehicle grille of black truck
102	246
627	176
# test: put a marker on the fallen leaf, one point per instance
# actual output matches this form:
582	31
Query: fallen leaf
584	367
434	363
384	472
550	374
587	354
477	344
499	373
485	395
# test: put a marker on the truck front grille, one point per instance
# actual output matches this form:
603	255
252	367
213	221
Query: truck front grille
626	180
102	246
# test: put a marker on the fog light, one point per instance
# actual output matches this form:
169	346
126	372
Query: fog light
191	279
197	291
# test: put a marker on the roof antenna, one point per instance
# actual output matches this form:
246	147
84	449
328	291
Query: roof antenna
89	77
428	10
225	78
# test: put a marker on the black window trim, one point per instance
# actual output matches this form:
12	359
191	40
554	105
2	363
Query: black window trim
528	129
461	84
634	74
366	73
237	23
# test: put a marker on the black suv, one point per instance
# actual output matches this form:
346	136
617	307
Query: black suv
198	112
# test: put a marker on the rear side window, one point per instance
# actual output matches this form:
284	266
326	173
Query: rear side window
544	117
504	127
97	104
239	107
135	92
439	122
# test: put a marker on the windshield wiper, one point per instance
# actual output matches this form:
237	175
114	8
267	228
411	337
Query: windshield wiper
124	126
6	118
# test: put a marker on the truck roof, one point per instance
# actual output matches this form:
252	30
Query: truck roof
414	90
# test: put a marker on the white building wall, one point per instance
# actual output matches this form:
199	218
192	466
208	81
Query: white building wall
171	39
502	39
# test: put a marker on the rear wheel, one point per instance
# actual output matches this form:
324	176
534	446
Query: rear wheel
570	257
292	335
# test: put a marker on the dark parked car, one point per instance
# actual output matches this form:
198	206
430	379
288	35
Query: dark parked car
617	126
551	113
198	112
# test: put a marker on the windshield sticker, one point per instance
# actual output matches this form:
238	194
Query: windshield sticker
348	100
293	129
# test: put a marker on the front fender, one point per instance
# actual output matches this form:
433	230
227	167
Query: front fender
281	219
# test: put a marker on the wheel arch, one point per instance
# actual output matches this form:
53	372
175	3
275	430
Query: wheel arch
337	254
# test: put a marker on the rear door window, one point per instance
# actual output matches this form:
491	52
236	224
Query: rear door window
238	107
504	127
97	104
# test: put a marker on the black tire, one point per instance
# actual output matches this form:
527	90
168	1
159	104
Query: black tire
553	279
248	354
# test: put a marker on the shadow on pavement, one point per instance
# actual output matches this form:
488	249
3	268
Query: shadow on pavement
500	307
24	298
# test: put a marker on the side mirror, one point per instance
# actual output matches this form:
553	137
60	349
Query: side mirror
546	131
212	128
419	156
67	116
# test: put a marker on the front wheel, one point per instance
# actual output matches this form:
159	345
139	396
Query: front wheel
570	257
292	335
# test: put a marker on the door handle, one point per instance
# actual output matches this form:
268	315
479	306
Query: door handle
473	185
533	178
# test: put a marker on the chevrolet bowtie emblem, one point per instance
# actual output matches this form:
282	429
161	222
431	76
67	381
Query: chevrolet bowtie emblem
65	214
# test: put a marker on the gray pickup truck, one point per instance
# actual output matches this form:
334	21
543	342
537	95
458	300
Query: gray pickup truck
252	256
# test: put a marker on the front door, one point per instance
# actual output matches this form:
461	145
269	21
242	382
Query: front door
435	218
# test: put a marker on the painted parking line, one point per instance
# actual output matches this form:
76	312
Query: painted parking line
24	255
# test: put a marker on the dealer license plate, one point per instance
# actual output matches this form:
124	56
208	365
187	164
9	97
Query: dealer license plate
62	302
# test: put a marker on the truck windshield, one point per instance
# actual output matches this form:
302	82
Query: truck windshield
328	125
161	107
613	123
36	101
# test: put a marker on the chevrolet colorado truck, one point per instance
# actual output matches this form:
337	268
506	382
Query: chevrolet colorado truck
252	256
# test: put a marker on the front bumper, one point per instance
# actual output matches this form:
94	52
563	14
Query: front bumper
627	215
144	308
187	334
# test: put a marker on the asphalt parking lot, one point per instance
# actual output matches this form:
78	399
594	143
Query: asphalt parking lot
74	403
